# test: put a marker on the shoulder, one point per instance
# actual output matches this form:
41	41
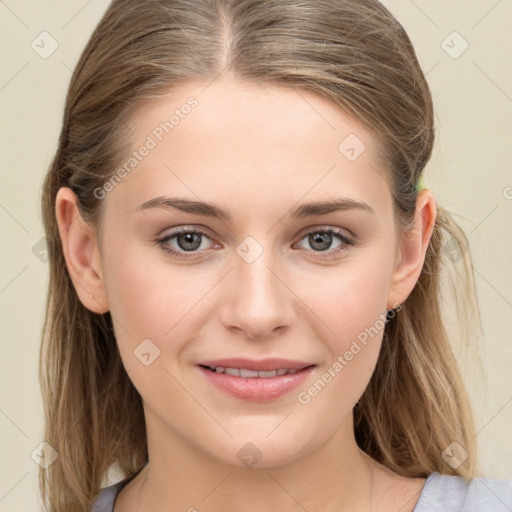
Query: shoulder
445	493
455	494
104	502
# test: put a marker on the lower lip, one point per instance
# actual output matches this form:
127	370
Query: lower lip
256	389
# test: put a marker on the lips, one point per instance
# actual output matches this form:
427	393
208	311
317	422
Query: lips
258	381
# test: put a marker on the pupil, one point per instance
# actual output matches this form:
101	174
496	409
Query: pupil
189	239
322	237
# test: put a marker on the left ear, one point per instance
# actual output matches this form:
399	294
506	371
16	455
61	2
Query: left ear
412	249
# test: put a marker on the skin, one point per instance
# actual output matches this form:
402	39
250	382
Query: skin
257	152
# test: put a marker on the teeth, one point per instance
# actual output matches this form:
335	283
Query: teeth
242	372
248	373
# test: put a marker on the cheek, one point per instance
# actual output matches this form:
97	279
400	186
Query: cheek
358	322
348	300
150	299
135	297
144	295
351	305
149	303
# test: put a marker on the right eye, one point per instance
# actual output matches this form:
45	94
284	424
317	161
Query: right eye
187	241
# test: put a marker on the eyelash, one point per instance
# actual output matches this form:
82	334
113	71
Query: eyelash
346	242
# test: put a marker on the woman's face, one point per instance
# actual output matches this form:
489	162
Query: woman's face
269	278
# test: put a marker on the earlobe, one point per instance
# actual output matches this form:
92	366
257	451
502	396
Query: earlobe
413	248
81	252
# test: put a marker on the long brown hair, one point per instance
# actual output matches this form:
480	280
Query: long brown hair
356	54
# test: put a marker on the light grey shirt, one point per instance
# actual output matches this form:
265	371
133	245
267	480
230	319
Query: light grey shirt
441	493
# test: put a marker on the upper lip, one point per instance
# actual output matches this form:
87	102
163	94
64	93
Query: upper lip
261	365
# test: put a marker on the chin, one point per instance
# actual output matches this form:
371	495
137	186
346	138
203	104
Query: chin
261	452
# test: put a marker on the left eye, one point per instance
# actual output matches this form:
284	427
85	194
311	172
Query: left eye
189	242
321	240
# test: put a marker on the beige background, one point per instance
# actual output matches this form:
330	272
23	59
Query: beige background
470	174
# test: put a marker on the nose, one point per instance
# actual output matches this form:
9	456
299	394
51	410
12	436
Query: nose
257	299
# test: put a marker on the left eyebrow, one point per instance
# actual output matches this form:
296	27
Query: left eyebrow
210	210
323	207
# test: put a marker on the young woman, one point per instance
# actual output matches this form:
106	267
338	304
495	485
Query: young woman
244	307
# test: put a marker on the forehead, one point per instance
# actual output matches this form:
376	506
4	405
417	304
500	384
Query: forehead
260	111
230	139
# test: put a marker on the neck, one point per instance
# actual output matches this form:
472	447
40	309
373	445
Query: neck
337	477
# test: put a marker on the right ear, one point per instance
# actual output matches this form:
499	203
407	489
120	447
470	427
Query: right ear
81	252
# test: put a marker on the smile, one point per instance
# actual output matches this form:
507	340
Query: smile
256	384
